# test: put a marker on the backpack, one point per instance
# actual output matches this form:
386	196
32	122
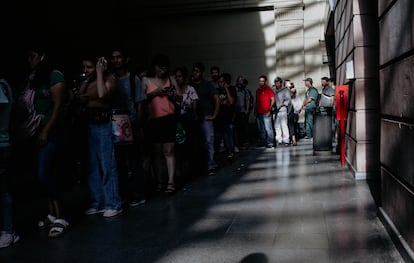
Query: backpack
251	100
26	120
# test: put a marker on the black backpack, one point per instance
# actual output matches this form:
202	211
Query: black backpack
251	100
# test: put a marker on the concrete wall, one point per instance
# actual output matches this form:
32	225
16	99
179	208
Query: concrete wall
274	38
249	37
356	40
380	128
396	69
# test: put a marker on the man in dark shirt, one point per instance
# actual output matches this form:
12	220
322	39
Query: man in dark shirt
308	104
208	108
225	117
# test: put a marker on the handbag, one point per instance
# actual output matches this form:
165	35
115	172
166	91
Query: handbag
180	134
122	132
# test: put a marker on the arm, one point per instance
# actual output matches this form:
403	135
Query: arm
194	107
272	103
247	102
230	97
58	94
216	107
105	85
154	93
333	99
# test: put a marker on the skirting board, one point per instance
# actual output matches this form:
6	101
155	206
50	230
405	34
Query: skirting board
361	175
399	241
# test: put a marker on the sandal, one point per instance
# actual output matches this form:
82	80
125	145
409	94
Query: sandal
47	222
58	228
170	189
158	188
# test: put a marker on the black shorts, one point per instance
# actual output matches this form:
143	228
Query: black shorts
162	129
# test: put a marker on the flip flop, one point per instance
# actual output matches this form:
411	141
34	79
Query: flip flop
58	228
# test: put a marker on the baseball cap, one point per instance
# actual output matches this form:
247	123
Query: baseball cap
308	79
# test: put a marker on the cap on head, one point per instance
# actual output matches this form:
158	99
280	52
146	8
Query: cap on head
309	79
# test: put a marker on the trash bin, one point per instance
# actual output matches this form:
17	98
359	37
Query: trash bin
322	129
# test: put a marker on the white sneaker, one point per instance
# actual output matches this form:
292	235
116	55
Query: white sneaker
112	212
7	239
137	202
93	211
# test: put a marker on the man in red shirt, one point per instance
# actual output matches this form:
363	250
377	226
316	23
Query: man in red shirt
265	99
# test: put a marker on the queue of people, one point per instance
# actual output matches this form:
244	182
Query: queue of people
160	103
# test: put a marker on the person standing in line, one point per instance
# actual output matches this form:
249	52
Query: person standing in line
129	97
225	118
265	100
328	94
242	108
207	110
7	235
49	86
160	89
96	92
187	98
215	74
294	115
309	104
282	106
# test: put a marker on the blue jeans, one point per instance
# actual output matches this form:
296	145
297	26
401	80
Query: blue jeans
208	132
103	173
6	207
265	127
46	159
225	132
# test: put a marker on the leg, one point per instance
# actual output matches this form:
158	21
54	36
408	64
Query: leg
261	129
278	128
284	126
208	131
7	212
168	150
269	129
94	177
6	208
309	123
228	137
107	163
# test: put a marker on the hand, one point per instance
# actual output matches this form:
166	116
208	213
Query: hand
102	64
42	138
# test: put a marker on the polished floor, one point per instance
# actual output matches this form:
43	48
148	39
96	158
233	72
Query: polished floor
270	205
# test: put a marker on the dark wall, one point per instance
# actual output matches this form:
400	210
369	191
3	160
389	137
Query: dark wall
396	23
69	29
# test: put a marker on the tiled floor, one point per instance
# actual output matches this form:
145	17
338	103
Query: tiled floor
278	205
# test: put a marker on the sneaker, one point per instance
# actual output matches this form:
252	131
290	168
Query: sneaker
211	172
236	149
7	239
112	212
269	146
93	211
134	203
230	155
